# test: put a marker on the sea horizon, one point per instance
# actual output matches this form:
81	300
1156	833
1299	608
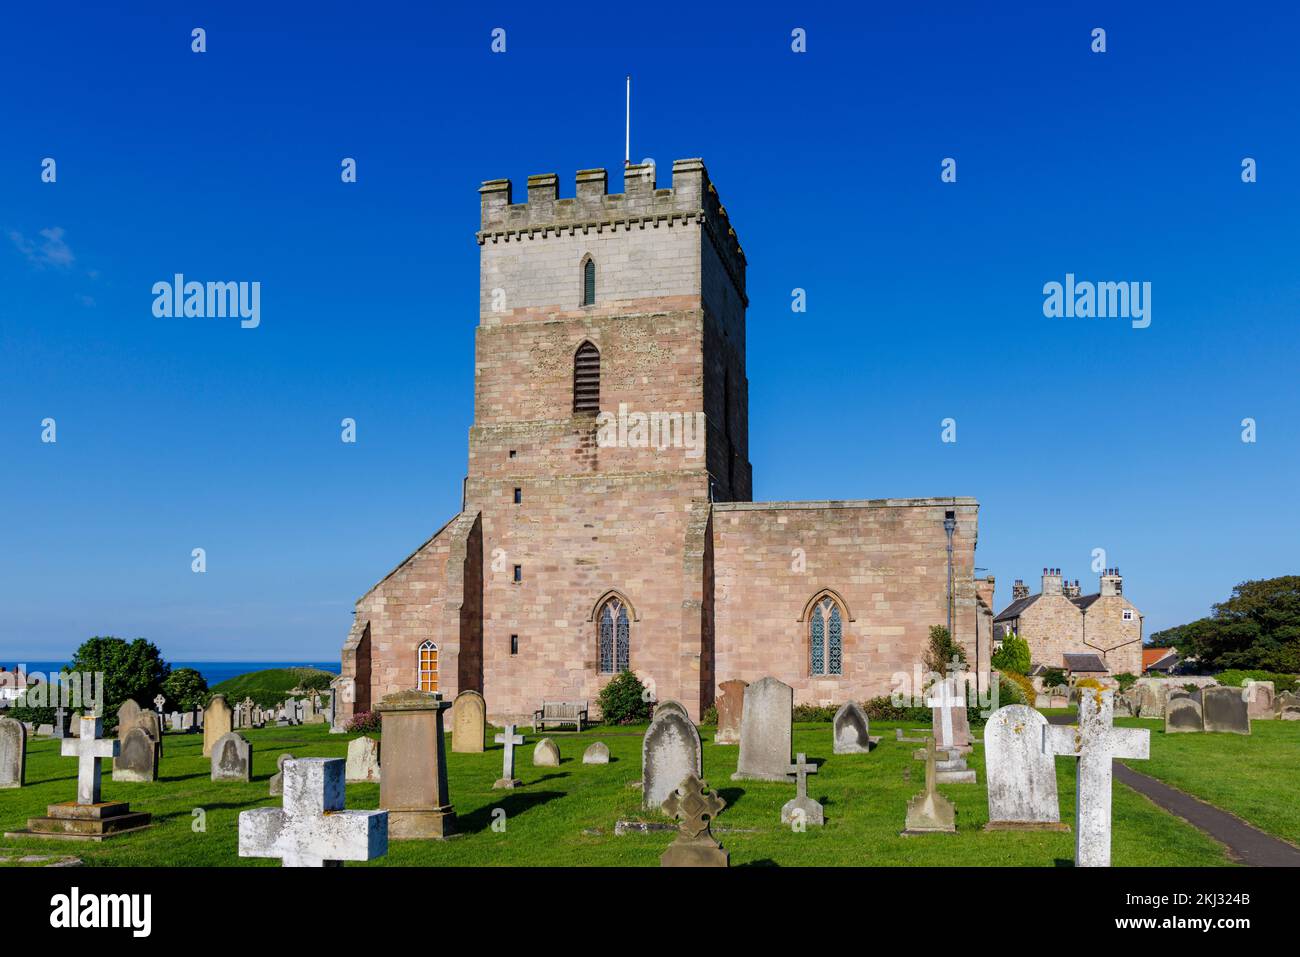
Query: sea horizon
214	672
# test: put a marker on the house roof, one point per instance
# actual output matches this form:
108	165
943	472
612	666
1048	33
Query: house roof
1084	663
1155	658
1085	601
1014	609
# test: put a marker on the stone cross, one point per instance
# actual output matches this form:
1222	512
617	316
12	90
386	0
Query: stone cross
88	749
312	829
158	703
509	739
60	721
802	768
692	807
1096	743
944	697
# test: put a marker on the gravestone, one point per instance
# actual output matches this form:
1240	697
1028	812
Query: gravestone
1259	697
851	730
731	710
670	751
468	723
1096	743
765	732
597	753
413	786
546	754
158	702
232	759
216	722
1021	778
174	719
363	761
1225	710
13	753
127	716
948	724
276	788
89	817
669	705
1151	699
1183	714
508	738
137	757
801	808
694	807
152	725
930	812
312	829
60	720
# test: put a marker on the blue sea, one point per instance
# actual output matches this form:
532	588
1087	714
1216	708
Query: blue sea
214	672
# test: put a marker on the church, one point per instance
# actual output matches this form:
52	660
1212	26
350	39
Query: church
582	550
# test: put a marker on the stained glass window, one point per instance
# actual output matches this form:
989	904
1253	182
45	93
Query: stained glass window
623	638
835	652
615	632
826	638
606	641
818	642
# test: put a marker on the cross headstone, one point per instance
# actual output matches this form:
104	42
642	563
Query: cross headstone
88	748
694	807
802	805
930	812
1096	742
60	721
158	703
509	739
947	702
312	829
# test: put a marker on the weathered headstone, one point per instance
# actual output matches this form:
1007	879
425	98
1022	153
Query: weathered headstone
670	751
597	753
670	705
802	809
765	732
468	723
137	757
413	787
1021	778
694	807
949	724
851	730
276	788
1225	710
1183	714
363	761
508	738
13	753
1259	697
312	829
232	759
731	710
546	754
930	812
127	716
216	722
1096	742
174	720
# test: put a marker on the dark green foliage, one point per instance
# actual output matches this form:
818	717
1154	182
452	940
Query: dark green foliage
1237	677
1054	677
624	700
813	712
1126	680
941	651
270	686
1013	656
882	709
132	669
1257	628
185	690
710	716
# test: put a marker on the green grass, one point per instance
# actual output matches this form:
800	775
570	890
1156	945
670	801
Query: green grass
270	686
1251	776
566	815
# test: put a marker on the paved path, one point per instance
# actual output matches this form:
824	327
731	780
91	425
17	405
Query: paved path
1245	843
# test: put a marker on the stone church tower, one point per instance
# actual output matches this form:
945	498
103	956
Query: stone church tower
607	520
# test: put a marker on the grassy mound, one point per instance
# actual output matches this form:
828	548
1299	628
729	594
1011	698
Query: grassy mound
273	685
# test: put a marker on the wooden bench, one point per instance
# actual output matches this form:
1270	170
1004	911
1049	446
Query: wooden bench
560	712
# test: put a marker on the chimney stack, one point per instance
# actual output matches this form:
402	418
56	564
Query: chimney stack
1019	590
1052	581
1111	583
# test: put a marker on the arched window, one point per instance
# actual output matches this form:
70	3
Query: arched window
826	638
589	282
615	629
428	667
586	379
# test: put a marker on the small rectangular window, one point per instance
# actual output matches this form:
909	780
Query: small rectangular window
519	496
514	644
519	573
1128	614
512	453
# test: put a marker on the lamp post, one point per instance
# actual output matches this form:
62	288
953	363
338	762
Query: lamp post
950	526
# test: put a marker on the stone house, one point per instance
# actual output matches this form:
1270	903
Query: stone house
1059	622
607	518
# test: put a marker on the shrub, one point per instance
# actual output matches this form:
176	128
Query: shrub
624	700
364	722
1126	680
710	715
941	651
812	712
882	709
1016	689
1236	677
1055	678
1013	656
1088	683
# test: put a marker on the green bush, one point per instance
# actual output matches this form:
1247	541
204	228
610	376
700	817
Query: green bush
1054	678
812	712
1126	680
710	716
624	700
1015	689
1013	656
941	651
1236	677
882	709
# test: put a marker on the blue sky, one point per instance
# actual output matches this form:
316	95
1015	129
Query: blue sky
924	298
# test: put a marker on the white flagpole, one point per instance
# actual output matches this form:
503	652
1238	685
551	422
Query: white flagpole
627	136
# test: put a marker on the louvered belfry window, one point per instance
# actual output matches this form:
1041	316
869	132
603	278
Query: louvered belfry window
586	379
589	283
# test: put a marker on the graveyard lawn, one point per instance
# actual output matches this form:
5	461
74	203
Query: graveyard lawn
1251	776
565	815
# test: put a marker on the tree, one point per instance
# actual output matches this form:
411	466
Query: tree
941	651
1258	627
133	670
185	689
1013	656
623	700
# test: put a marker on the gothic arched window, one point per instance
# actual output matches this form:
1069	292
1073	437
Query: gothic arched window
615	631
589	282
428	667
826	638
586	379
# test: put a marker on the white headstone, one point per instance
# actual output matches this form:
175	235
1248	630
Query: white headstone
88	748
1021	776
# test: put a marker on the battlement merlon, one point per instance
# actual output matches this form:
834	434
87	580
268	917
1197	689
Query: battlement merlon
692	198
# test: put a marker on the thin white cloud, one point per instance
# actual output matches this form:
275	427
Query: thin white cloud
49	250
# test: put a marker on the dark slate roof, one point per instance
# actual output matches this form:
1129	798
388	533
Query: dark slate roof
1037	670
1014	609
1084	663
1085	601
